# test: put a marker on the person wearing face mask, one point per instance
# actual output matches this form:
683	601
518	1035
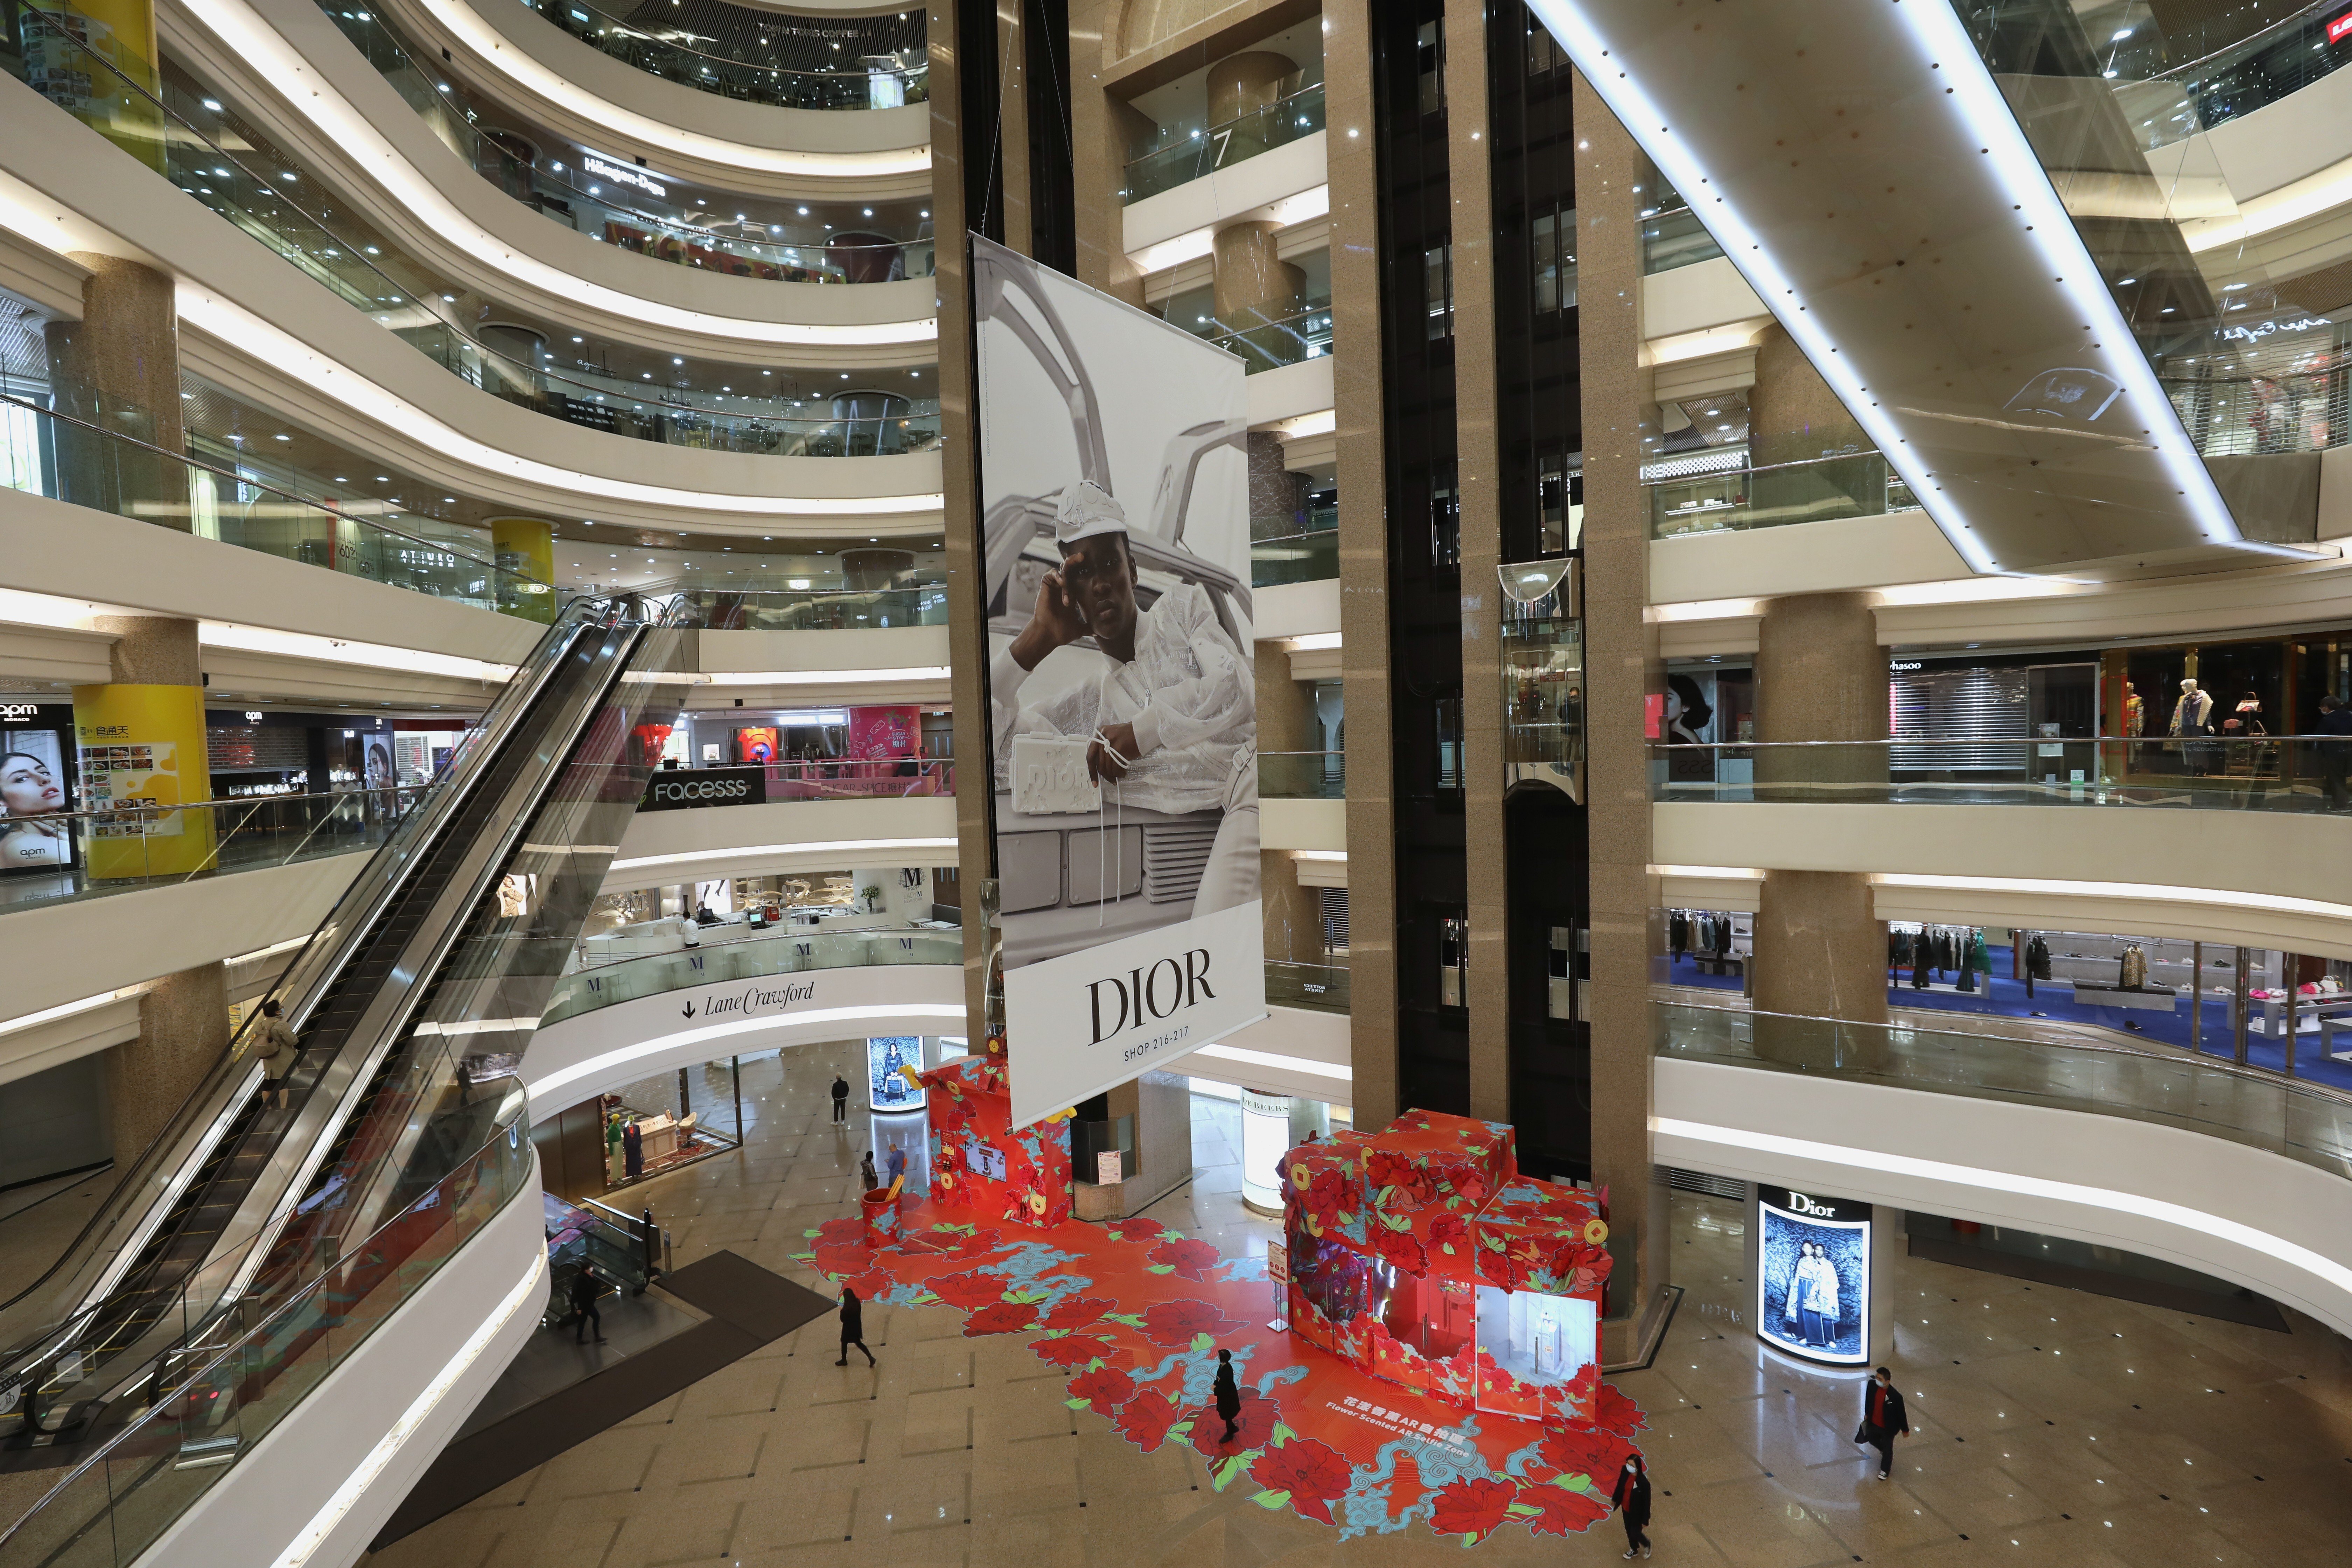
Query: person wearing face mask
28	791
1882	1419
1632	1496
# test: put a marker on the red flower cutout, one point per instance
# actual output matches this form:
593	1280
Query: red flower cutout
1104	1389
1191	1260
874	1282
1449	1233
1073	1350
1560	1512
1139	1229
1005	1318
972	1290
1144	1420
1076	1311
1324	1199
1580	1451
1399	1248
1472	1507
1612	1411
1254	1428
843	1261
1411	1180
1176	1322
1313	1473
839	1231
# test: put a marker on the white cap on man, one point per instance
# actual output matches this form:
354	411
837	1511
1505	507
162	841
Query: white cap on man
1086	511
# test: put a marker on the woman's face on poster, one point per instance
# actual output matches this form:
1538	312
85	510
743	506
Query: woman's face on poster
26	786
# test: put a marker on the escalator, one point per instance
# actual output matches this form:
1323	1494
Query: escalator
244	1226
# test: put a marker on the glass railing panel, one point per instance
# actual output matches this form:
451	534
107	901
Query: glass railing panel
752	69
1303	775
1290	118
1269	339
2193	1094
780	609
1707	496
784	953
1323	987
643	222
1294	558
1675	237
2299	773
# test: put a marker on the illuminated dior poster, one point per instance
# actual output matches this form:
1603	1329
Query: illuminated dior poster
1123	721
1813	1285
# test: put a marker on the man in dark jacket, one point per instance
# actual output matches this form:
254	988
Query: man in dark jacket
584	1291
1882	1419
2335	752
1228	1394
840	1097
853	1326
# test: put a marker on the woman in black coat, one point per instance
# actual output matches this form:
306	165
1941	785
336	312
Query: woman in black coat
1228	1394
853	1326
1632	1496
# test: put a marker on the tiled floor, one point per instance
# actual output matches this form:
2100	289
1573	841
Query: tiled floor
2052	1427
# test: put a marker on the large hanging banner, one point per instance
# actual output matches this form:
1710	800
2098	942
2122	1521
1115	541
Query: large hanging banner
1123	703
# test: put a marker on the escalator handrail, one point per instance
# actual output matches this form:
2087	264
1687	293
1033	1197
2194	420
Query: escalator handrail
200	1113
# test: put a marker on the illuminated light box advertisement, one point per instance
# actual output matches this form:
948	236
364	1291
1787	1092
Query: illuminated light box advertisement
1813	1284
888	1089
1123	721
36	782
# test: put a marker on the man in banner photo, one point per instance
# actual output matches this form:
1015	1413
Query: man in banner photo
1114	494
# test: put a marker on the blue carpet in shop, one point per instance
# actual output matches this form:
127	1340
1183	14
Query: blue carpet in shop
2007	998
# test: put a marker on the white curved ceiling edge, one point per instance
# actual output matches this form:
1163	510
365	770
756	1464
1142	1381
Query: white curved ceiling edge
237	26
535	77
200	307
1976	112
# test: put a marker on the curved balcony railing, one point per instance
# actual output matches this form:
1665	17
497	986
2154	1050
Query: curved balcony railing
625	211
786	952
1310	557
1294	117
1263	341
58	856
1318	987
766	609
742	63
1672	237
75	460
2301	774
1303	775
2247	1105
1702	494
882	778
2174	79
185	136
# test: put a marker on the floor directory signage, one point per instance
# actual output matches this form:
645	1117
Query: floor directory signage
1813	1282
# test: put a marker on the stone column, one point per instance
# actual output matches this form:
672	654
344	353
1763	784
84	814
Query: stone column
1363	557
1239	84
1254	287
1622	670
1278	499
1821	951
1478	486
118	370
1286	723
1794	419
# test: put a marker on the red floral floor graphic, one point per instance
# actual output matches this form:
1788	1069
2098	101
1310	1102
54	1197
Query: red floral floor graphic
1136	1314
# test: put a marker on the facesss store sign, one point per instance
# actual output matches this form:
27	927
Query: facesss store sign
684	788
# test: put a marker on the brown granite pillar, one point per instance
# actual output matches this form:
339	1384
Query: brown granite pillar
116	370
1239	84
1623	671
182	1030
1252	287
1364	556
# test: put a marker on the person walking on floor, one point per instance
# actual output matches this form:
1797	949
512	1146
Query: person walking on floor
853	1326
1228	1394
865	1171
840	1097
584	1291
1882	1419
1632	1496
279	1051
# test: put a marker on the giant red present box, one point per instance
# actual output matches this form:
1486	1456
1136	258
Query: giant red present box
979	1160
1420	1254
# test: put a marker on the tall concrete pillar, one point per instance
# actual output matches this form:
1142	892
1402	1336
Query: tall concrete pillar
1623	671
1239	84
1278	497
1254	286
118	370
182	1030
1821	951
1794	418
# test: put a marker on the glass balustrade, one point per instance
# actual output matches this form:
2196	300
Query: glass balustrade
763	609
1263	340
1713	493
85	854
620	206
1674	237
1320	987
1312	557
2303	773
51	454
183	136
1291	118
2181	72
1303	775
786	952
2197	1095
756	56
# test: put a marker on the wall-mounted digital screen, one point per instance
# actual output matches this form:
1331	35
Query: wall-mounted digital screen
1813	1282
884	1055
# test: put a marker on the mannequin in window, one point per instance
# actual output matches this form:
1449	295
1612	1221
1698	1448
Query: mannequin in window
2134	725
2192	719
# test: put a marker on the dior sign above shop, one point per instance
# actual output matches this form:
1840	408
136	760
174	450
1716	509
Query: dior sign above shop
681	789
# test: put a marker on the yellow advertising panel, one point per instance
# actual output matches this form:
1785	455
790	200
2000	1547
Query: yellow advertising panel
524	548
142	753
95	60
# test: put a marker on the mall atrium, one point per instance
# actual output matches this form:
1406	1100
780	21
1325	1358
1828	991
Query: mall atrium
674	692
